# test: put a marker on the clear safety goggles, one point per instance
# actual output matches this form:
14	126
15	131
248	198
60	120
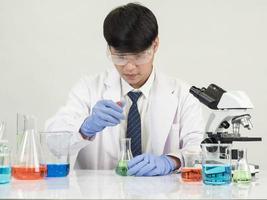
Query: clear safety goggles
137	59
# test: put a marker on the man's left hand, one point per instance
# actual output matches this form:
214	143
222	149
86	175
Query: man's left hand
150	165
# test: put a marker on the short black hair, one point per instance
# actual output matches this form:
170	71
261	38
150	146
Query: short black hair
130	28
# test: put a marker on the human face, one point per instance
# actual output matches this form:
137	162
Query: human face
135	69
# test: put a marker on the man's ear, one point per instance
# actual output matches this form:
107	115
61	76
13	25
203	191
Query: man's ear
156	44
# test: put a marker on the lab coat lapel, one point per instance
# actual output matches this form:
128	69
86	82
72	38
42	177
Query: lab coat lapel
163	104
112	92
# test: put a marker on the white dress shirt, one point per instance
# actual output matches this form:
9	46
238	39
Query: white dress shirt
142	105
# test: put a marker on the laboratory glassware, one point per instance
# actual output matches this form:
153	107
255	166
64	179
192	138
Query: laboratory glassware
242	172
28	164
5	162
20	129
125	156
191	171
2	129
56	148
216	164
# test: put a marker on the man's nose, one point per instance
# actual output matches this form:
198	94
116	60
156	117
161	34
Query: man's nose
129	66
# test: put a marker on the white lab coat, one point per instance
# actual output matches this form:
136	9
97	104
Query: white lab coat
174	119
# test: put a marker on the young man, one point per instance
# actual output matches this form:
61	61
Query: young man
158	113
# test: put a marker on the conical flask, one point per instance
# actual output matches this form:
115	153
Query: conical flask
125	156
29	164
242	173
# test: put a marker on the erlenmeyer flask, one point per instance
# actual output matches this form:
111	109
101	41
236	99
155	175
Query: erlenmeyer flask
125	156
29	164
242	173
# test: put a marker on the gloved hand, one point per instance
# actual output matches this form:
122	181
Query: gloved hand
150	165
105	113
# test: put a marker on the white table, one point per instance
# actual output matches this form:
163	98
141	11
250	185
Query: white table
86	184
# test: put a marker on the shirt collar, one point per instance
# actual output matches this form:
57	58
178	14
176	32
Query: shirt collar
144	88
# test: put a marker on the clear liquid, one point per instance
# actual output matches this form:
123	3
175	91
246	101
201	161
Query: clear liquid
122	168
241	176
5	174
216	174
58	170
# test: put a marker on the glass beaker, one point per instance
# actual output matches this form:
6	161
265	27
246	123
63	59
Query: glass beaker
125	156
5	163
29	163
191	171
56	148
242	172
216	164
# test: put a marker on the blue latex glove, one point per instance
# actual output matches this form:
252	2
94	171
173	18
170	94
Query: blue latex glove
150	165
105	113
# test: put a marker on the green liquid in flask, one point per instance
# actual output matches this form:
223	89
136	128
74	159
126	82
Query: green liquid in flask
242	173
241	176
122	168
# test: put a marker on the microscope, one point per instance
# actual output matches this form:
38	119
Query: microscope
230	113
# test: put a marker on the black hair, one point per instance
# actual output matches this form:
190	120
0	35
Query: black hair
130	28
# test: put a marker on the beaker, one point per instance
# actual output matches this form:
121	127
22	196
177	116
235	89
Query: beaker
191	171
28	164
5	163
216	164
56	148
242	172
125	156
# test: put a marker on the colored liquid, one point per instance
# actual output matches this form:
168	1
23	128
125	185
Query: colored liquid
191	174
58	170
241	176
122	168
29	173
5	174
216	174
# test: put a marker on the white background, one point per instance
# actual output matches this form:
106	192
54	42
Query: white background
46	46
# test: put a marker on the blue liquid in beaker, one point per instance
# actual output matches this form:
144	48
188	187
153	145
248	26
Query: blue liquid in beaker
214	174
58	170
5	174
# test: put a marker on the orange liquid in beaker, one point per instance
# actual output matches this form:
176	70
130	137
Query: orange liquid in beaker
29	173
191	174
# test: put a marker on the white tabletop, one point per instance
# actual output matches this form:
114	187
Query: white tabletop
86	184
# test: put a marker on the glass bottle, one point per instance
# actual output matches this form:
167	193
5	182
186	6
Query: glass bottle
242	172
5	163
29	164
125	156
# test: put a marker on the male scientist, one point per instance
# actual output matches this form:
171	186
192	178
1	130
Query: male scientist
157	112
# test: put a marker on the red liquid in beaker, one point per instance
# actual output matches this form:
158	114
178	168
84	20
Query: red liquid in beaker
191	174
29	173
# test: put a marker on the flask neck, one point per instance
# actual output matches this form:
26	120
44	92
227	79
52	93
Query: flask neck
242	154
29	123
125	145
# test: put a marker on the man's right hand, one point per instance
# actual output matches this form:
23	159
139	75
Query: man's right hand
104	113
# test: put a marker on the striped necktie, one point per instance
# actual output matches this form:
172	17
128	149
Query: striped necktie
134	125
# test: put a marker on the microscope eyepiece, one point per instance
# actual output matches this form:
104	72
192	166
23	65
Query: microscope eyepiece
210	96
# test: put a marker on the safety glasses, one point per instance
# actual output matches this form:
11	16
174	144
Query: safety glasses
137	59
